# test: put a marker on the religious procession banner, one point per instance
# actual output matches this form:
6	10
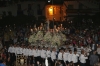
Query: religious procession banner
21	60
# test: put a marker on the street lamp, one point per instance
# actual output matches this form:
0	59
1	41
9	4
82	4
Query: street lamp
49	1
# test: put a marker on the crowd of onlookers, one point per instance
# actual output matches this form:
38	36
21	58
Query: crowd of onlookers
79	41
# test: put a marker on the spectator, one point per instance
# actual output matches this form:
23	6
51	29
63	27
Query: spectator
93	59
3	63
98	51
82	59
1	45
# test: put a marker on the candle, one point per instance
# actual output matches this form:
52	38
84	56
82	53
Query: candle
97	44
46	62
71	21
31	30
41	24
56	30
38	28
54	26
10	29
6	25
61	25
35	26
22	61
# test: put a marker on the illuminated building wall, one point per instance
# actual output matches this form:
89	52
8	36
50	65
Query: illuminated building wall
54	12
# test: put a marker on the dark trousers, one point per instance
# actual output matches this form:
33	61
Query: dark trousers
82	64
75	64
66	63
63	62
36	58
53	62
43	60
13	58
99	56
49	60
39	58
30	60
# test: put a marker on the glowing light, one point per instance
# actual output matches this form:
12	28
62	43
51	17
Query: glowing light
6	25
49	1
10	29
97	44
71	21
51	11
31	30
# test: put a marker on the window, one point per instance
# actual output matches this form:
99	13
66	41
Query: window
80	6
19	12
51	11
18	6
39	10
9	13
38	6
4	13
29	7
70	6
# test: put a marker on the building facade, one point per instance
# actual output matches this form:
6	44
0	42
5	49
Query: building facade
57	12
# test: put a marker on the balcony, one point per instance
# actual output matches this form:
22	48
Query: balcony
81	10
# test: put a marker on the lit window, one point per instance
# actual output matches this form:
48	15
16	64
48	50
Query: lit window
51	11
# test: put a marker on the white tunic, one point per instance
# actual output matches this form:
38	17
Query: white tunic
60	56
48	53
70	57
65	56
10	49
82	58
20	50
17	50
75	58
13	50
27	52
38	52
43	53
30	52
34	52
53	55
24	51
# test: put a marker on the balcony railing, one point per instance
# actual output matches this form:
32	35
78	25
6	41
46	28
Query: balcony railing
81	10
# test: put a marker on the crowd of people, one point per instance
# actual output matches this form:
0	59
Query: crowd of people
82	48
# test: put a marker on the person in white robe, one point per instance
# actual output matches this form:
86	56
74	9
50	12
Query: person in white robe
82	59
70	56
65	56
43	54
75	58
48	54
34	51
39	54
53	56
